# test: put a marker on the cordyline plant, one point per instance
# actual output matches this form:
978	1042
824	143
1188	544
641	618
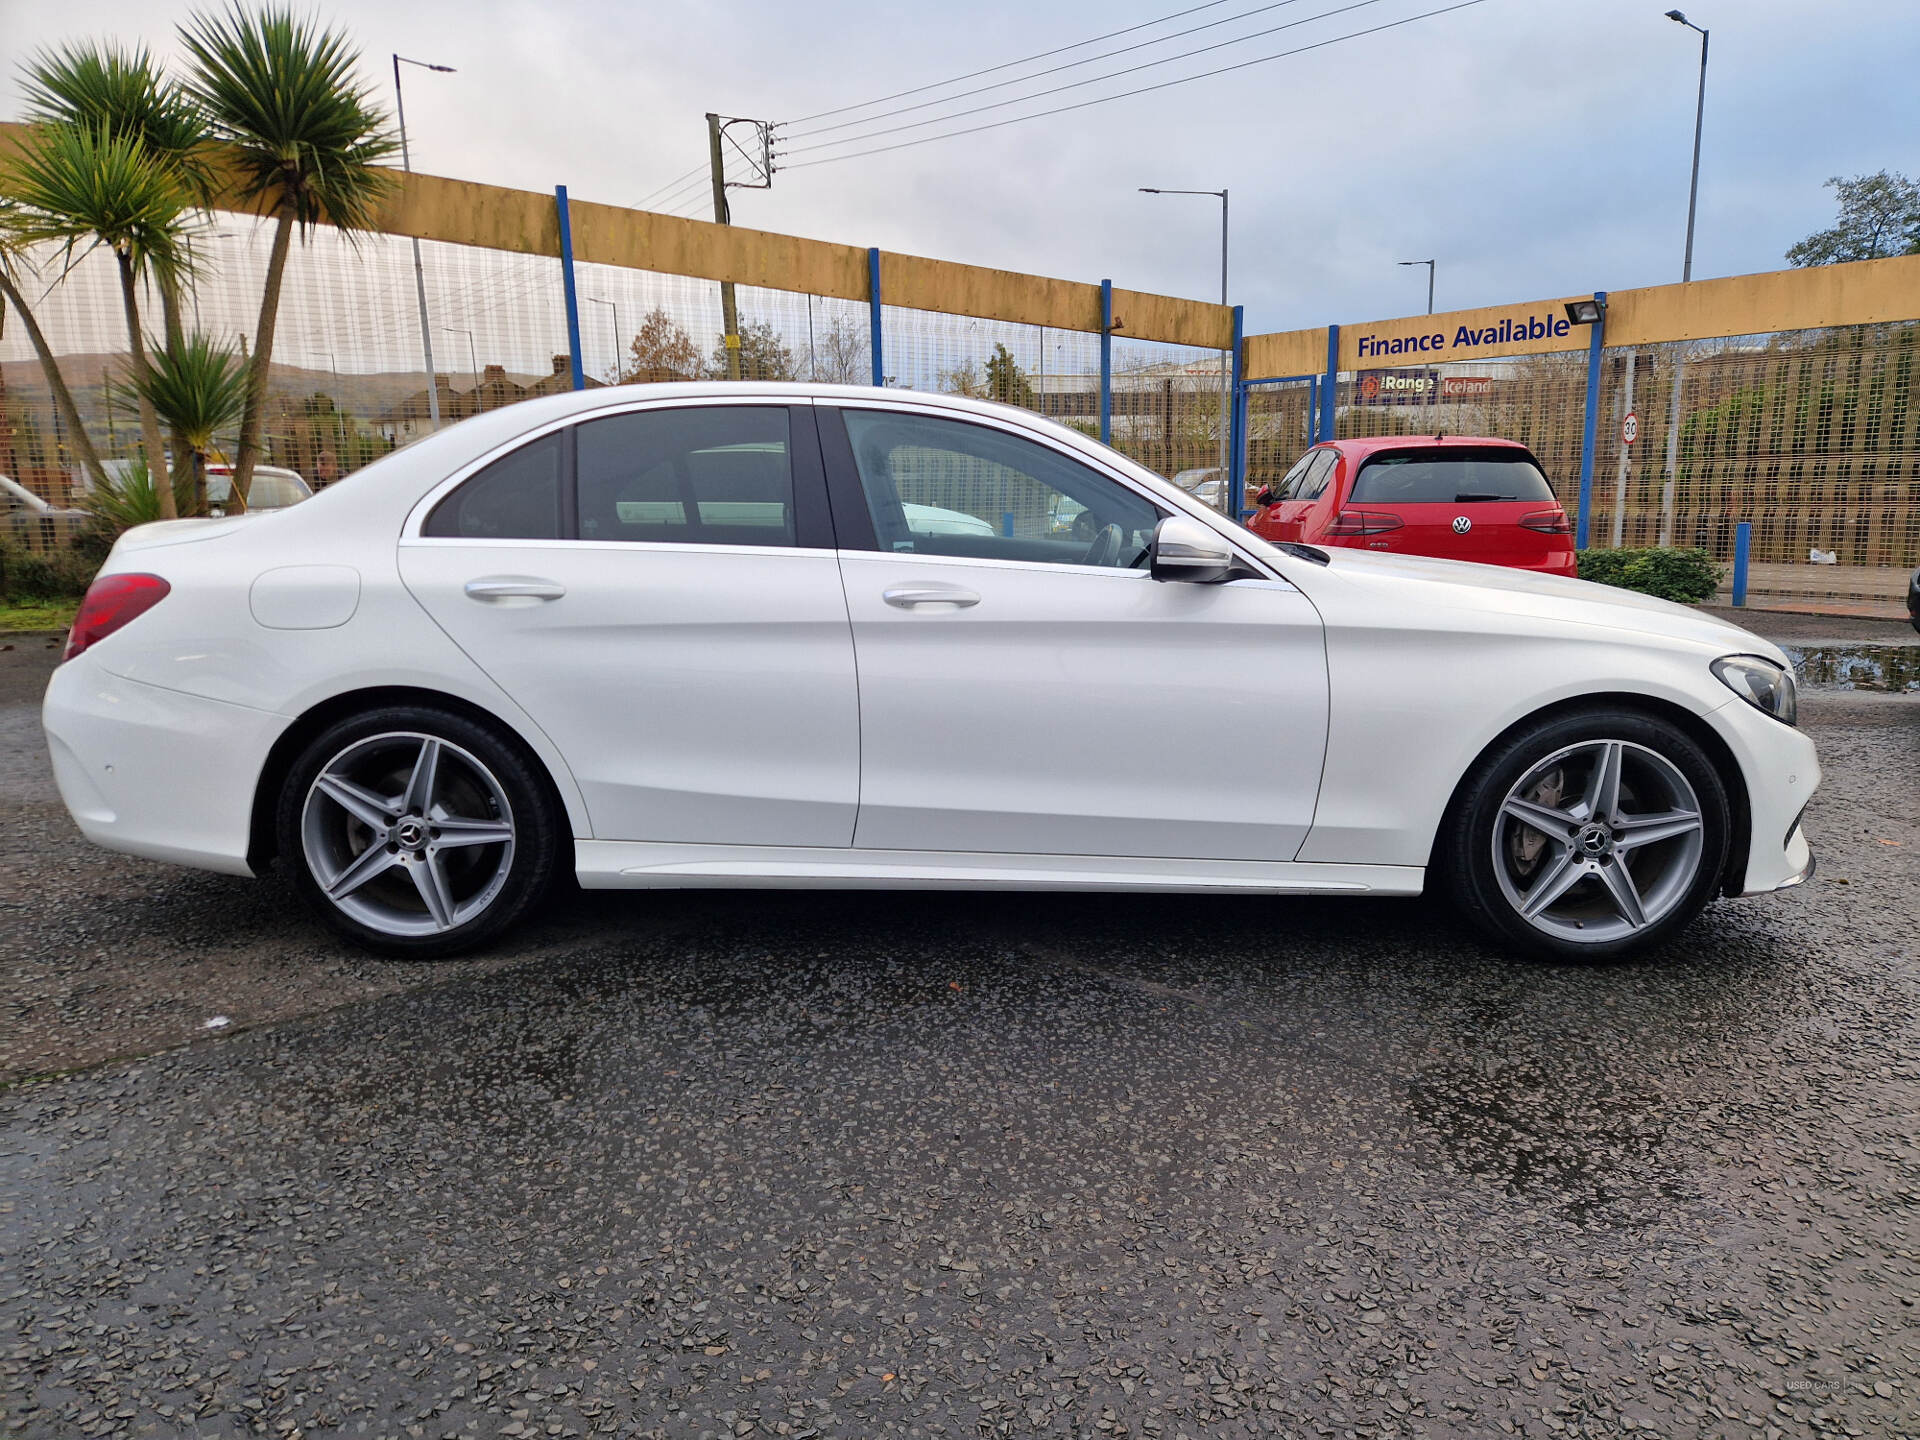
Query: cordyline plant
199	389
80	188
303	142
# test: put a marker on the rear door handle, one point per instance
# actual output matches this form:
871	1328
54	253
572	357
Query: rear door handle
905	597
514	587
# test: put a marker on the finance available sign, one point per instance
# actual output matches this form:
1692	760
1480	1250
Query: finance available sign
1536	329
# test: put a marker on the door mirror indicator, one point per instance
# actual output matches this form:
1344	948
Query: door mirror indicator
1186	550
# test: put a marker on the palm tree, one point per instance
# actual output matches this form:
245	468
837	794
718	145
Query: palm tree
76	186
123	92
12	262
303	140
200	390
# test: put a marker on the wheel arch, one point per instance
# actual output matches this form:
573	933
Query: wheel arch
1740	812
263	842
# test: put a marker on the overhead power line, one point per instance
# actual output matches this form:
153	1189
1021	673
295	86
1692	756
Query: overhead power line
1140	90
673	184
1051	70
1009	64
1081	84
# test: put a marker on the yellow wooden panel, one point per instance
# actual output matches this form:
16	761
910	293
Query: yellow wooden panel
1864	292
1285	352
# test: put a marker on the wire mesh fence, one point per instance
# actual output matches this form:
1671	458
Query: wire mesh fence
1809	437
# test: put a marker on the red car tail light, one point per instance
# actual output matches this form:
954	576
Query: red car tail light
1547	522
1363	522
111	602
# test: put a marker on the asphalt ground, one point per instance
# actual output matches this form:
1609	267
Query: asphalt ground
850	1165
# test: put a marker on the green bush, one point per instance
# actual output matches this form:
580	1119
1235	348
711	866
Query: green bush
1688	576
62	574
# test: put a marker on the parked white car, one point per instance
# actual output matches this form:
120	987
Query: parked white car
682	635
32	520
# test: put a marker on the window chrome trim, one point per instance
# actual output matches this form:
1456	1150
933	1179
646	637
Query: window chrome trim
417	516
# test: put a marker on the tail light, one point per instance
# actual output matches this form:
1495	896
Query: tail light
112	601
1363	522
1547	522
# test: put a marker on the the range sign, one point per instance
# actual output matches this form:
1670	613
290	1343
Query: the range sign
1418	387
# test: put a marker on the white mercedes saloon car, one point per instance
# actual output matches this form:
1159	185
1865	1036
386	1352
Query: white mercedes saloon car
734	635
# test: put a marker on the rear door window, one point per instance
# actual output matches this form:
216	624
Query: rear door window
1314	483
707	475
1456	475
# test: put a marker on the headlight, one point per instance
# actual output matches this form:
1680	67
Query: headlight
1761	683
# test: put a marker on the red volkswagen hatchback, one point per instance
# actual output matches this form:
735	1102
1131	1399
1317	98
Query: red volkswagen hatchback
1458	497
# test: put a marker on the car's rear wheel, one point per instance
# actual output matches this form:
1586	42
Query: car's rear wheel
416	831
1586	836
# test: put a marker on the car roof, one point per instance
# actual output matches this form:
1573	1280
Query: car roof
1369	444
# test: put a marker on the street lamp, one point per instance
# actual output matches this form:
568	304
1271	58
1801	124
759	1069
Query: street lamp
1686	274
473	360
1226	380
419	273
1429	265
613	305
1699	115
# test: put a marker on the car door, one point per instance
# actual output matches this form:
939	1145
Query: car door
657	588
1306	493
1031	689
1266	518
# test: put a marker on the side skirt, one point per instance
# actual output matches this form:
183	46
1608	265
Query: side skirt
620	864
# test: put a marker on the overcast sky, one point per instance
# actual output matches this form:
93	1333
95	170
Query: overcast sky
1533	147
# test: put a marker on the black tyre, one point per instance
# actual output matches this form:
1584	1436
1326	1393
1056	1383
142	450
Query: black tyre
417	832
1586	836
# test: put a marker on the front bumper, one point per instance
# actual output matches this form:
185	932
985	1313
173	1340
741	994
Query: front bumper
154	772
1781	771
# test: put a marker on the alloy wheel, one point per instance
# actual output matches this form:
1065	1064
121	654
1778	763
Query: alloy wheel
1598	841
407	833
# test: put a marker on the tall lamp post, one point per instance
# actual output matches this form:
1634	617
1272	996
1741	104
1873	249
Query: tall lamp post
1686	274
1429	265
614	305
1228	503
419	273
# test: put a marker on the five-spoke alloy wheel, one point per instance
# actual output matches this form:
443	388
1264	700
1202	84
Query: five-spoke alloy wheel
1587	835
417	831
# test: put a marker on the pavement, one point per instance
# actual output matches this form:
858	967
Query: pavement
739	1164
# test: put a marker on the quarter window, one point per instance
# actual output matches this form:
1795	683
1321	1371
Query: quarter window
945	487
517	497
709	475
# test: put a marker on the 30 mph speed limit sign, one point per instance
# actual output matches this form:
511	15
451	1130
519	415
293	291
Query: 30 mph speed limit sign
1630	428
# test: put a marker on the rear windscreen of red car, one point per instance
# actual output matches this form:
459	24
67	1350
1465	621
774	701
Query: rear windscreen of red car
1456	475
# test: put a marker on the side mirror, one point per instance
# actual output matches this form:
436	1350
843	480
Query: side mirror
1186	550
1264	497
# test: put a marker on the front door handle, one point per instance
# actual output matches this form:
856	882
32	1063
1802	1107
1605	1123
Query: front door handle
905	597
514	587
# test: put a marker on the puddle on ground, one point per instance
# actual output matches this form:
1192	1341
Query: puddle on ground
1892	668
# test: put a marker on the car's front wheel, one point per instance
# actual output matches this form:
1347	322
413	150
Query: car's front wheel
416	831
1585	836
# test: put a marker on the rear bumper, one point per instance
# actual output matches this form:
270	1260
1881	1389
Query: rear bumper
153	772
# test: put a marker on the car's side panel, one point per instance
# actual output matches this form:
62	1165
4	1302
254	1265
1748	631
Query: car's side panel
1419	688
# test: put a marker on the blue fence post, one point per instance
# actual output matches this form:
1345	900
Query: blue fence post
1596	342
573	296
873	316
1742	545
1330	392
1236	476
1106	362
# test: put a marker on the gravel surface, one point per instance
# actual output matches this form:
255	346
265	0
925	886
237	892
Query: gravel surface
853	1165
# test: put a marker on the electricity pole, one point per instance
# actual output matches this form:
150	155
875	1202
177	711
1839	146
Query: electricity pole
729	312
419	274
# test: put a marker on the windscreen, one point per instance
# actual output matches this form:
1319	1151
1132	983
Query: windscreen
1453	475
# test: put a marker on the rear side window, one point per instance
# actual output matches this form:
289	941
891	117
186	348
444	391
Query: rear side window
708	475
1314	483
1456	475
517	497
